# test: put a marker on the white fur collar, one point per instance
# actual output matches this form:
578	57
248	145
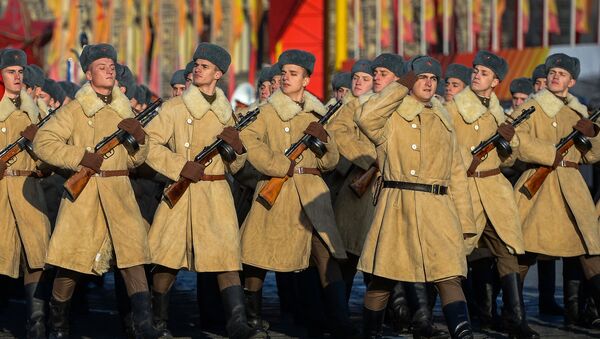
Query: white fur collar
198	106
411	107
27	105
470	107
286	108
347	98
551	105
365	97
91	104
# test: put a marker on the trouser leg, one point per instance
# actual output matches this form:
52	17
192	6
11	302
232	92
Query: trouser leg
455	308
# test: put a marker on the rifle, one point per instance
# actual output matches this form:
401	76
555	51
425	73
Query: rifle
176	190
10	152
361	183
77	182
533	184
496	141
269	193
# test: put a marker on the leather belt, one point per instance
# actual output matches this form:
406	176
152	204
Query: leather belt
433	189
116	173
484	174
208	177
307	170
22	173
570	164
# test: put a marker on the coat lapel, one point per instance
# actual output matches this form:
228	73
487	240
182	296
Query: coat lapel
411	107
27	105
91	104
286	108
551	105
471	109
198	106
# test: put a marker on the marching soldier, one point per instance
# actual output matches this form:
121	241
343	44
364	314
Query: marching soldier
539	78
204	239
458	77
24	225
264	84
275	77
300	226
422	187
520	90
178	83
103	224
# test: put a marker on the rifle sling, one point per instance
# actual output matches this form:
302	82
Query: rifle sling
484	174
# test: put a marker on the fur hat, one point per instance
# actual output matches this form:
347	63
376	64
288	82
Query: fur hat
126	79
264	75
12	57
69	88
341	80
189	68
460	72
539	72
54	90
393	62
178	78
492	61
298	57
213	53
92	53
362	65
521	85
424	64
274	70
560	60
33	76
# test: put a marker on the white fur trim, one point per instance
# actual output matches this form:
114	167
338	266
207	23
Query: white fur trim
551	105
27	105
198	106
286	108
91	104
470	107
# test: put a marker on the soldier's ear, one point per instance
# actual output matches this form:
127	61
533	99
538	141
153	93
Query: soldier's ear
495	82
572	83
88	75
218	74
305	81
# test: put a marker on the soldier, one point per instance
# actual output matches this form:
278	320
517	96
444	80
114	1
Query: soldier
300	226
458	77
126	82
422	187
33	78
189	69
198	239
69	88
178	83
477	115
520	90
24	225
104	223
539	78
560	219
341	85
53	94
275	77
264	84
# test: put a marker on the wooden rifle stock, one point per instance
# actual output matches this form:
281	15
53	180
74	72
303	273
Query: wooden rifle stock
269	192
77	182
361	183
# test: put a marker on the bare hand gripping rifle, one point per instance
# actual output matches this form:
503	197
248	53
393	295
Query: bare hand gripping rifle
269	192
176	190
77	182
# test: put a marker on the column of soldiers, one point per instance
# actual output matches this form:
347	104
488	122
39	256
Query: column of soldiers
387	186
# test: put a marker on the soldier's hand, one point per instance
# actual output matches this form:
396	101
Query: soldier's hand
506	131
133	127
316	130
29	132
557	159
192	171
232	136
587	127
290	172
3	168
408	79
92	161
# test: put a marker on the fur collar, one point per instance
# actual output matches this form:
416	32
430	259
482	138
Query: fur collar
27	105
471	109
411	107
286	108
365	97
551	105
347	98
91	104
198	106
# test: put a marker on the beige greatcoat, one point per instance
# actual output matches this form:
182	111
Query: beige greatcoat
416	236
353	215
279	239
24	225
105	217
560	220
492	197
200	233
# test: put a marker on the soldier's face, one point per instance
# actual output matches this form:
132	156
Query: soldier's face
13	79
45	97
275	83
205	73
453	86
341	92
518	99
381	78
177	90
264	91
540	84
559	81
293	79
483	79
188	81
101	73
425	87
361	83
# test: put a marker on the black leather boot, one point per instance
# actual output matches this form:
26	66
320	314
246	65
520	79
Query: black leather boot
572	290
457	319
160	311
337	311
483	292
254	310
398	311
36	311
310	303
372	323
59	319
513	310
589	315
235	311
124	306
141	310
422	319
546	285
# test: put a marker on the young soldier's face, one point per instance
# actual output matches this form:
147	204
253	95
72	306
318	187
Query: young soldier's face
101	73
275	83
518	99
453	86
341	92
361	83
483	78
293	79
264	91
45	97
425	87
177	90
540	84
188	80
13	79
381	78
559	80
205	73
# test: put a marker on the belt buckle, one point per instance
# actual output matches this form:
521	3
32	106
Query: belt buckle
563	163
435	189
477	174
300	170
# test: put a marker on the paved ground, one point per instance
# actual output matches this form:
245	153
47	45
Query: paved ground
103	322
